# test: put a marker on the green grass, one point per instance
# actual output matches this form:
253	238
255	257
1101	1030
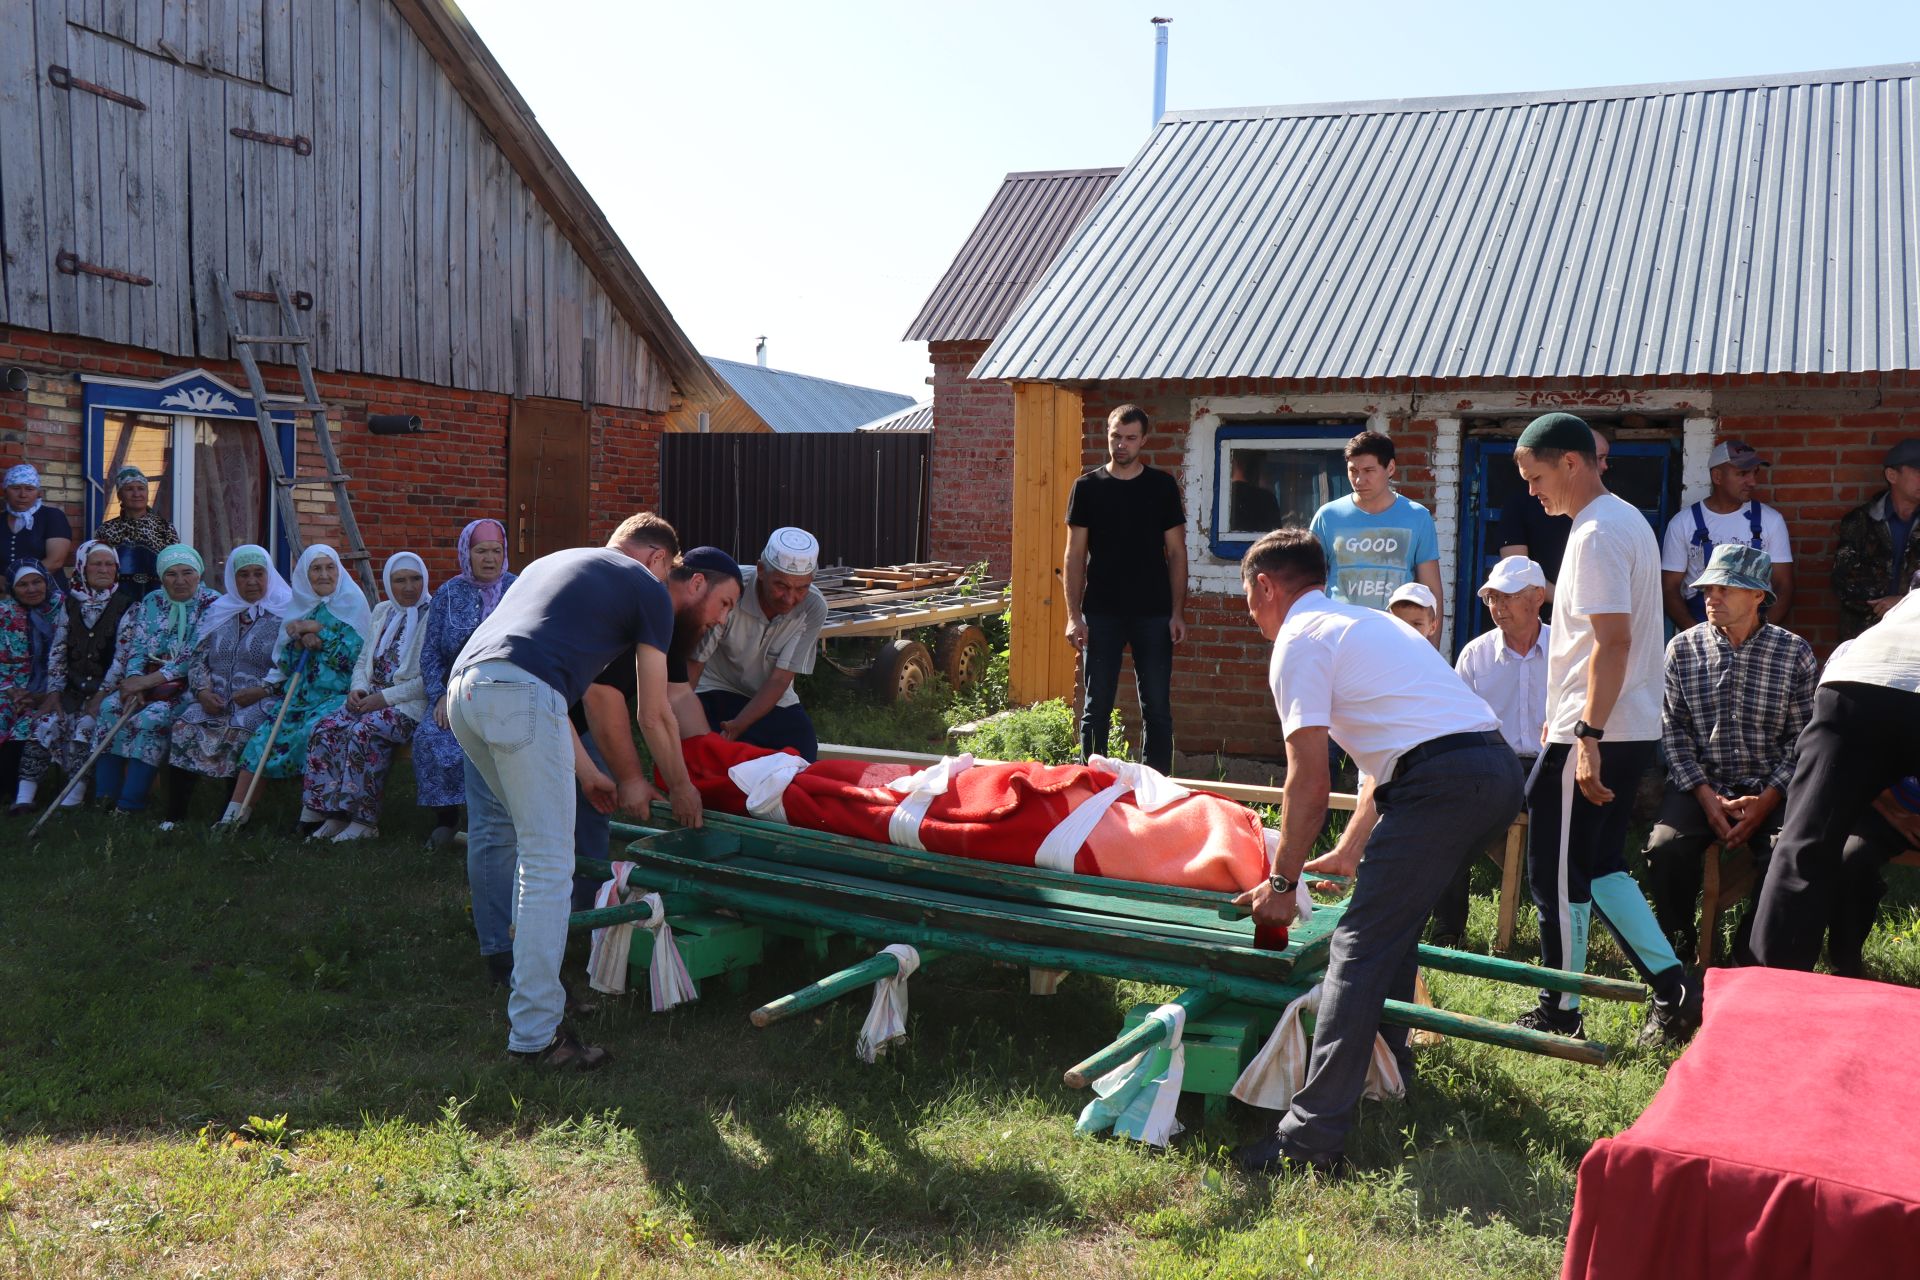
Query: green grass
265	1058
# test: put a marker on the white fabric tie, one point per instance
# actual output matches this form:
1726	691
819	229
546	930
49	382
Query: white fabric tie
607	959
917	791
1137	1098
887	1020
764	779
1280	1068
1151	790
667	975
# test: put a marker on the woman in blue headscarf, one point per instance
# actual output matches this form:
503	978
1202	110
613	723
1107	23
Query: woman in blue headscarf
158	650
439	766
32	646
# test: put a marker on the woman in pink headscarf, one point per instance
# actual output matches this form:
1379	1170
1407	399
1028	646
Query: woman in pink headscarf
439	766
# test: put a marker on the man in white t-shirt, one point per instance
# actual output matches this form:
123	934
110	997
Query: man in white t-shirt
1605	678
1447	782
1863	738
1729	513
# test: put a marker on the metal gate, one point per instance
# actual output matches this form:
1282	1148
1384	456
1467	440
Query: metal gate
862	494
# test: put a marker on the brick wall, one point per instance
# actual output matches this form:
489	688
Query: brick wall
409	492
972	510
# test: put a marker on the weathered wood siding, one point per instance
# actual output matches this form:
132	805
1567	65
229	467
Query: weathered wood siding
423	251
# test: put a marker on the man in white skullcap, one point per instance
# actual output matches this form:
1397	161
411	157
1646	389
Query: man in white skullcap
743	670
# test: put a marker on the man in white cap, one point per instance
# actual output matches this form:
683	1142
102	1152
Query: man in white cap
1413	604
1507	667
1728	514
743	671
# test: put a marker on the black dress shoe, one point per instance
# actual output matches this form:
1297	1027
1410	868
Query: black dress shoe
1273	1157
500	968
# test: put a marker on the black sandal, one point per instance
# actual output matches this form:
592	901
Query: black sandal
565	1053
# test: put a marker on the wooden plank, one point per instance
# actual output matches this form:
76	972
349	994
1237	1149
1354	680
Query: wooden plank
346	260
280	38
404	140
383	296
205	99
247	199
438	253
460	326
314	55
198	32
491	267
138	195
172	232
1062	661
23	211
87	238
250	51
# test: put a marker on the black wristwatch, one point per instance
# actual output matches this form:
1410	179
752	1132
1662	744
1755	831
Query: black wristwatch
1279	883
1581	729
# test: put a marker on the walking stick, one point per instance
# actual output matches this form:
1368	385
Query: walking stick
159	693
253	785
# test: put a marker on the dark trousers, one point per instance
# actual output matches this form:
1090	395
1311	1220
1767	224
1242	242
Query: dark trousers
1679	837
780	728
592	830
1450	916
1856	907
1862	739
1108	636
1435	816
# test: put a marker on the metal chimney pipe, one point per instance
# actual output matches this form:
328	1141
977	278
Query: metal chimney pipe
760	351
1160	67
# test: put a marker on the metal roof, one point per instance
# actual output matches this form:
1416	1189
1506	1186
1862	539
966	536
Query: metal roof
1736	226
917	416
1012	245
797	402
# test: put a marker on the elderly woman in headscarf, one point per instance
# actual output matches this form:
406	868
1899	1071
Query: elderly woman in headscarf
352	748
439	766
327	625
33	530
32	654
99	620
227	690
156	653
138	533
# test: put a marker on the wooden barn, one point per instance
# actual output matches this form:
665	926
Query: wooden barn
442	258
1680	263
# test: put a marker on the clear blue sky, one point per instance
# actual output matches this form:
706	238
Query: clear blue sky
807	171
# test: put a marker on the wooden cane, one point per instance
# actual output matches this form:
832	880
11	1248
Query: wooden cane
253	785
156	694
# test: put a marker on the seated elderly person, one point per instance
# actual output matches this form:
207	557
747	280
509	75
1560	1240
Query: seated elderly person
1738	693
33	530
743	671
32	657
352	748
149	676
99	622
1507	667
1413	604
439	766
138	533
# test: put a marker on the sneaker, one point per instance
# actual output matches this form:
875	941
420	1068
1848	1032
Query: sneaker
1273	1157
1675	1023
1555	1022
566	1052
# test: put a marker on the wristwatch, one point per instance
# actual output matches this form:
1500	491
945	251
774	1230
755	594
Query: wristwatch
1581	729
1279	883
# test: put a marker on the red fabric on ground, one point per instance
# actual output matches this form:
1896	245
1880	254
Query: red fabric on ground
1781	1145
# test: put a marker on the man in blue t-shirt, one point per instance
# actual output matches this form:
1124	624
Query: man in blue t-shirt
566	618
1376	541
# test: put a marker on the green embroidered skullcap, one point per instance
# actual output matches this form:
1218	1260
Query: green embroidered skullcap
246	555
1561	431
178	554
128	475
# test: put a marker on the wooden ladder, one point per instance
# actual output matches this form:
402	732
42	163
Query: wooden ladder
265	405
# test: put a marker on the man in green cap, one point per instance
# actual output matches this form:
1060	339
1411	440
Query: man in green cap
1604	682
1738	692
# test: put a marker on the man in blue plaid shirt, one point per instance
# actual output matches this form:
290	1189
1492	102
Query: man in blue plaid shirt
1738	692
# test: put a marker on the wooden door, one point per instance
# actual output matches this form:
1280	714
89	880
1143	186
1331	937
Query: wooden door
547	486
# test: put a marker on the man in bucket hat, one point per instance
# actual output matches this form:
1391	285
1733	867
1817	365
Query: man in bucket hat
1738	692
743	671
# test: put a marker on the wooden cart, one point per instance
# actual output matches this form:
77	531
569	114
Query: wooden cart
896	626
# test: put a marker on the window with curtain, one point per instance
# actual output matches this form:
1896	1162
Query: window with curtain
229	491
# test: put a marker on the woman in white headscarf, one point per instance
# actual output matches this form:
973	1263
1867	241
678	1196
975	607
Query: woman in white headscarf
227	690
326	626
351	749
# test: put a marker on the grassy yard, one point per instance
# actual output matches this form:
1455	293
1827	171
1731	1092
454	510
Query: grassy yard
171	999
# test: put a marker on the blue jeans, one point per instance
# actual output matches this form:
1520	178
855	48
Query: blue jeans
1108	635
780	727
490	860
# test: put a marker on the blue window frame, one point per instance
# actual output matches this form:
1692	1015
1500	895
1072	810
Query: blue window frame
1267	475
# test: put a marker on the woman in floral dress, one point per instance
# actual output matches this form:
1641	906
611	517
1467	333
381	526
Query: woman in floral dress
99	623
157	651
328	623
32	651
439	766
352	748
229	697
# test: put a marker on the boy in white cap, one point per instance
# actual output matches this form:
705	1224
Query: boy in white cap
743	671
1413	604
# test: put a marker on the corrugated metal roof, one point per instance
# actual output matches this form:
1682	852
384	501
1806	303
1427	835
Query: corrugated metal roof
1012	245
1758	225
915	417
796	402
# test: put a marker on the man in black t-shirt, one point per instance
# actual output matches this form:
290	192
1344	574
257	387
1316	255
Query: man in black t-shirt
1126	574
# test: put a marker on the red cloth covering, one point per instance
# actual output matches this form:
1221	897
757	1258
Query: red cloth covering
1781	1145
1002	812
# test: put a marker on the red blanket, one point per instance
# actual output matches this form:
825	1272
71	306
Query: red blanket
1002	813
1781	1145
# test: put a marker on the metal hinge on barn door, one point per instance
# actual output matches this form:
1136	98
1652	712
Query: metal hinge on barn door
308	406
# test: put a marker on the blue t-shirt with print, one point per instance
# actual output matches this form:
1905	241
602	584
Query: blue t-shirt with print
1370	556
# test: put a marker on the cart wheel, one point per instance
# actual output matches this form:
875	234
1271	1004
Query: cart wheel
901	669
961	653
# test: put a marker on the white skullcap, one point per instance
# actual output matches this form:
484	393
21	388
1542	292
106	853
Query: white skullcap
791	550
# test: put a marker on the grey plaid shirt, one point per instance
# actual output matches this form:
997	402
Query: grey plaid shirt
1733	716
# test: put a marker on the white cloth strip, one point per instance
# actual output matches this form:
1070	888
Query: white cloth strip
764	780
1151	789
1279	1070
607	958
917	791
887	1019
667	975
1138	1097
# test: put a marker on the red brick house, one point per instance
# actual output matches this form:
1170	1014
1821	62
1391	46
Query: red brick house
448	262
1679	262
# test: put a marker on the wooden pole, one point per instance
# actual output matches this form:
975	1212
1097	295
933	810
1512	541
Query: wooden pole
1139	1038
1476	965
75	778
834	985
253	784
